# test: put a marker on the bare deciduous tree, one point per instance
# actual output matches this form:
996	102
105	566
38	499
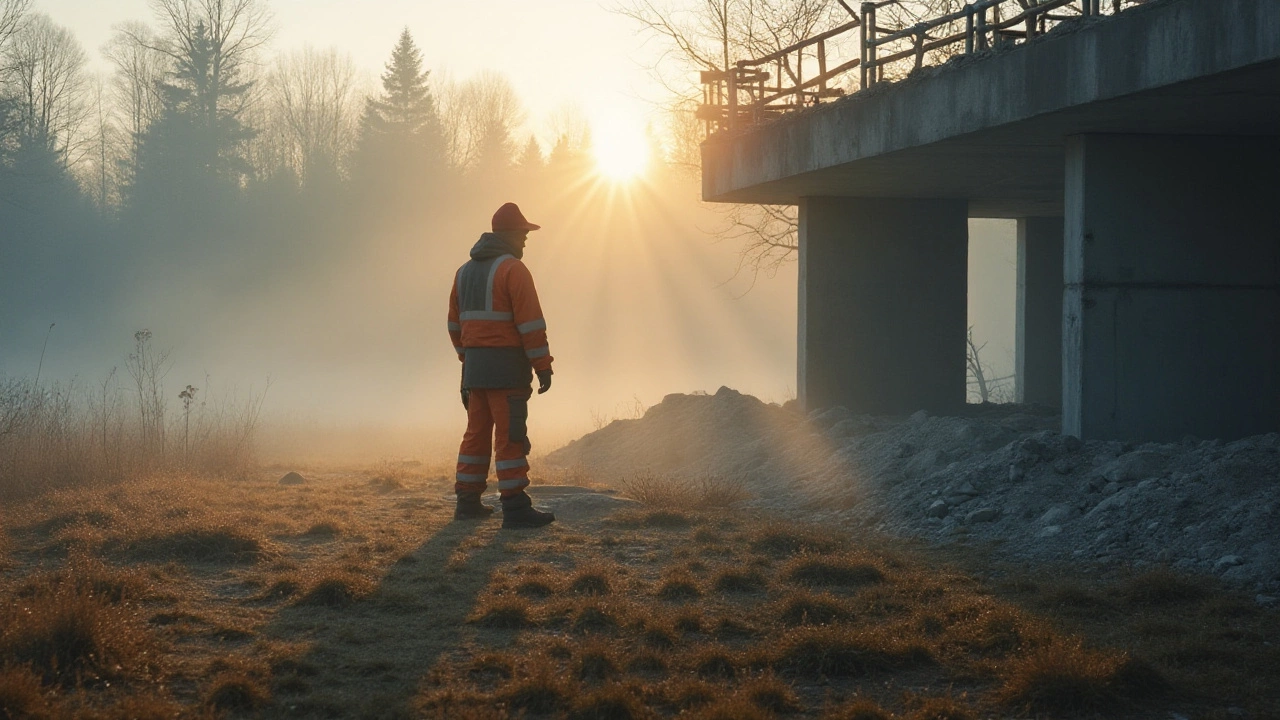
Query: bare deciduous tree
313	97
234	31
713	35
11	15
480	116
135	84
49	86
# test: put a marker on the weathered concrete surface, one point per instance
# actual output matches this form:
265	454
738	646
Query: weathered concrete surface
991	130
1172	302
1038	339
882	304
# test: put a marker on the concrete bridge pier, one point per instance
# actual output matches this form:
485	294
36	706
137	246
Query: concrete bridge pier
1172	302
1038	336
882	304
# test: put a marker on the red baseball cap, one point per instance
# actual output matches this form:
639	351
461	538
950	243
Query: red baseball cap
509	217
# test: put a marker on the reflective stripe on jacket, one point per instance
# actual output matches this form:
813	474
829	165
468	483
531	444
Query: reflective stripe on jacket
495	320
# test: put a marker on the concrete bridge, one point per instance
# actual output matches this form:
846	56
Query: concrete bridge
1139	153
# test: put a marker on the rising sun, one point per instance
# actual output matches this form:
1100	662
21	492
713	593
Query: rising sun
619	144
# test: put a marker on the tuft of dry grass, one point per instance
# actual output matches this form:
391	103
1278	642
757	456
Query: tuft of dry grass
702	493
542	692
333	589
593	580
679	587
844	651
942	708
236	691
769	693
22	695
713	662
66	635
196	544
802	607
324	529
731	708
611	702
1067	678
738	581
782	539
832	571
858	709
595	662
507	612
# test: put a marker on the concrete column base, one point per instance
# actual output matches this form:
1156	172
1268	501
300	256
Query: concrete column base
1172	303
882	304
1038	344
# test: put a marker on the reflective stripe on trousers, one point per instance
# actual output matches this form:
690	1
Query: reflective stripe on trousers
496	425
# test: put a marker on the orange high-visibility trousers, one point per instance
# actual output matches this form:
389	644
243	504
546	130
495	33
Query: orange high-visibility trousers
499	414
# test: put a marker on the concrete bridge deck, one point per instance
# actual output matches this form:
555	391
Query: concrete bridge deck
1141	154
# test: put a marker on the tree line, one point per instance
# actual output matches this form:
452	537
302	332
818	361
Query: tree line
199	151
194	109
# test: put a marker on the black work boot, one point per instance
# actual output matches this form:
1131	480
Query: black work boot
470	508
518	512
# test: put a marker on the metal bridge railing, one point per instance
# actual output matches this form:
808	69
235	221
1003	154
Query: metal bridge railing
753	91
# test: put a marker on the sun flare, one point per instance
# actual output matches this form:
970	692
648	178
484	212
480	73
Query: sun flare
620	146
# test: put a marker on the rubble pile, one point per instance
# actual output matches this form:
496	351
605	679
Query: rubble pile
1001	475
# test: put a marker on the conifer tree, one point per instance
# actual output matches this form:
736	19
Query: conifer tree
402	123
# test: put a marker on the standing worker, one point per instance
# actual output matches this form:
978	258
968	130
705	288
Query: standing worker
497	328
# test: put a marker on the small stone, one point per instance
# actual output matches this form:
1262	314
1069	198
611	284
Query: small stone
966	488
1063	466
1227	561
1071	443
1016	473
904	450
1154	524
1111	488
1049	531
1056	514
919	416
1165	555
1266	601
1135	466
938	509
292	478
983	515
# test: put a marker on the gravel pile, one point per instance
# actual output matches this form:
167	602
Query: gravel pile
1001	475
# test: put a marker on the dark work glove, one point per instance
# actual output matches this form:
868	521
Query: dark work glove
544	381
466	398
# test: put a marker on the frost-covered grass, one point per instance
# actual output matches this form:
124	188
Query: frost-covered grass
342	597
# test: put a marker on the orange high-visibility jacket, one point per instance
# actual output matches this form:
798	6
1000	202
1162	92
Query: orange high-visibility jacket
495	320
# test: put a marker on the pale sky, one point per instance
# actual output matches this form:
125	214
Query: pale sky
554	51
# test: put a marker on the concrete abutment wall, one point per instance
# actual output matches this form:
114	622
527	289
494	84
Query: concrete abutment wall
1038	339
1172	302
882	304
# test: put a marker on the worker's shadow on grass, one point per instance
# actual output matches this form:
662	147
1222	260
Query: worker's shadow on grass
367	659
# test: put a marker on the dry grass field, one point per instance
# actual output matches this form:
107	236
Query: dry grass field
354	595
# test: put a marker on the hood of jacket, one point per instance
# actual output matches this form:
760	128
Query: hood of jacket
495	244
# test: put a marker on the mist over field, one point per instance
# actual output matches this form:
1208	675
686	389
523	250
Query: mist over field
295	222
